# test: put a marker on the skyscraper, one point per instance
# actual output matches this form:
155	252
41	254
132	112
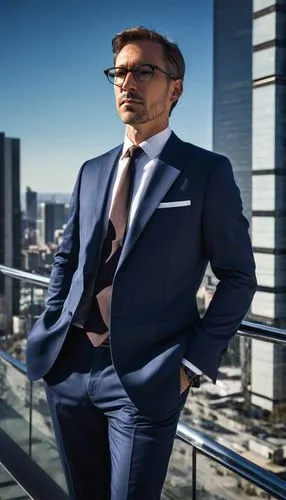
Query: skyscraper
30	218
232	113
41	219
249	126
232	91
269	195
31	204
55	216
10	223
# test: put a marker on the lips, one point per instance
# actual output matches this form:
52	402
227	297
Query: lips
130	101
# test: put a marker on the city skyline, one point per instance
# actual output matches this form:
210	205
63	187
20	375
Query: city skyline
53	87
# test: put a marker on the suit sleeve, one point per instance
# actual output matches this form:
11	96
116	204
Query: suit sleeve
66	259
228	248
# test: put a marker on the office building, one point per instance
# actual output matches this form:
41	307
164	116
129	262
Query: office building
10	226
30	219
55	216
40	226
232	92
249	126
232	117
269	196
31	204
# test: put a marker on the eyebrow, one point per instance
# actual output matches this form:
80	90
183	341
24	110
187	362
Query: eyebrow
138	64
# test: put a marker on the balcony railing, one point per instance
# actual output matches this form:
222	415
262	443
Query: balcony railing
200	443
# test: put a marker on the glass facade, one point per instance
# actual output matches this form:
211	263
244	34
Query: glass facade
268	154
264	28
232	93
2	212
263	63
280	147
263	138
10	225
268	380
54	219
249	126
262	4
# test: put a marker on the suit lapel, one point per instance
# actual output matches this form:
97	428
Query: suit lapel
97	184
105	178
164	175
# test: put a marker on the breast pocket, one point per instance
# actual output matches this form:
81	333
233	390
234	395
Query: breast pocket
174	204
173	211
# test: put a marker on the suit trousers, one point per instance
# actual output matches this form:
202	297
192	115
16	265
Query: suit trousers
109	451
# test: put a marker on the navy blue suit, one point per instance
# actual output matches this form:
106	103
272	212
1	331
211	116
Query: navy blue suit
154	316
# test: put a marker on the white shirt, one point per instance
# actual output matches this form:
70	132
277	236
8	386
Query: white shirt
145	165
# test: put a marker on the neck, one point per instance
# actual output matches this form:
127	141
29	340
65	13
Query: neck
139	133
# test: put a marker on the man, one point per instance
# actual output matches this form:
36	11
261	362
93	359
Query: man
121	340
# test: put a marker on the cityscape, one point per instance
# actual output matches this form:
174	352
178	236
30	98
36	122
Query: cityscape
246	410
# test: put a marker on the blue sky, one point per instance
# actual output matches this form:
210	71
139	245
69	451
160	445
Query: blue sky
54	95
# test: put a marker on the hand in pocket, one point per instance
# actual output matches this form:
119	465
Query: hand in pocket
184	380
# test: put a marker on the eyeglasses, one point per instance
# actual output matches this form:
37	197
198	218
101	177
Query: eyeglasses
142	73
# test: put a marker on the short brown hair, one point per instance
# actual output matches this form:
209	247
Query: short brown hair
171	52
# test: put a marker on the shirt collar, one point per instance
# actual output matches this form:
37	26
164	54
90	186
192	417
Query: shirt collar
152	146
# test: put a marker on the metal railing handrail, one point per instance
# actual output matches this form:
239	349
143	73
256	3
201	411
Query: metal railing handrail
236	463
255	331
266	333
36	279
229	459
16	363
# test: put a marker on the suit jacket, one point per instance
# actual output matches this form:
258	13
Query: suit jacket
154	317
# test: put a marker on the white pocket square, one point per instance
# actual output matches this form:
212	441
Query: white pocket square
174	204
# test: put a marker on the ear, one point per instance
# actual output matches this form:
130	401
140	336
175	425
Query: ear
177	90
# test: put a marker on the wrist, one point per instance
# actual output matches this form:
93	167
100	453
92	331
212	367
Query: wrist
194	378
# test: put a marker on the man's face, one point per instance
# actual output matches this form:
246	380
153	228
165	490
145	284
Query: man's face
139	103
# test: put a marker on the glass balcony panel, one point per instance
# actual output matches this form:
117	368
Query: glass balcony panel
224	412
216	482
14	407
15	331
213	481
44	450
178	482
10	490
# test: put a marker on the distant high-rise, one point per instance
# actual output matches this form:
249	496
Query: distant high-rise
55	216
269	195
232	90
249	126
41	218
10	224
232	113
269	159
31	204
30	218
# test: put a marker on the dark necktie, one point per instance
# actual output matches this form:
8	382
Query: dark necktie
97	324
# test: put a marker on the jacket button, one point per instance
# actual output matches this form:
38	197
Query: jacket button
70	313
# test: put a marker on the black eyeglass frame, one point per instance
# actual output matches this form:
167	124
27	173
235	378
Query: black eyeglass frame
153	67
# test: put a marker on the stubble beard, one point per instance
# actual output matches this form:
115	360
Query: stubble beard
135	117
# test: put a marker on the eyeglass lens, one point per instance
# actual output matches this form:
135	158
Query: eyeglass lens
142	73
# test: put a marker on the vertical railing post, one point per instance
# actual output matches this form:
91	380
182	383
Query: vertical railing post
30	417
31	383
194	473
32	307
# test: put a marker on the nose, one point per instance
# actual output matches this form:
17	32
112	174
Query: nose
129	82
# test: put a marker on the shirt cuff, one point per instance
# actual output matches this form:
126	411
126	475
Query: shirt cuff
194	368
